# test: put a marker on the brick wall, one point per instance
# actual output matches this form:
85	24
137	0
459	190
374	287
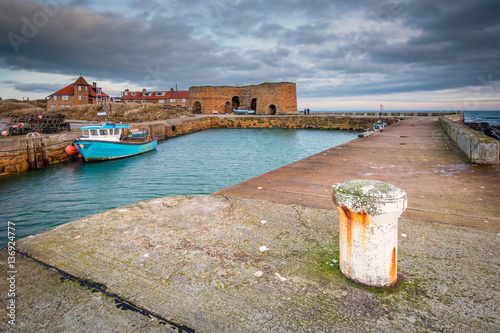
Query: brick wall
283	96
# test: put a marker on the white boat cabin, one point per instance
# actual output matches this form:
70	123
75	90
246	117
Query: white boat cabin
106	132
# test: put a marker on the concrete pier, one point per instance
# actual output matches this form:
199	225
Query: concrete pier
415	155
262	256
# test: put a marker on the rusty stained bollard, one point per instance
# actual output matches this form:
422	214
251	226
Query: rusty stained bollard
368	230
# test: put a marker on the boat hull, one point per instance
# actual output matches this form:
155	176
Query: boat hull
95	150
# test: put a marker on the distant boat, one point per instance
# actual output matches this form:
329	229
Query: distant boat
110	141
379	125
243	111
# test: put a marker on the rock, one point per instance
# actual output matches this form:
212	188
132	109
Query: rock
487	129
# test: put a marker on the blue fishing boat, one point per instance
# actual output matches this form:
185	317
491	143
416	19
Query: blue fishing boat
111	141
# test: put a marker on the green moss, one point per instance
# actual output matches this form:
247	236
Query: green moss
332	269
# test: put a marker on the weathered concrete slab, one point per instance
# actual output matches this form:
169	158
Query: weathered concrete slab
50	301
227	264
415	155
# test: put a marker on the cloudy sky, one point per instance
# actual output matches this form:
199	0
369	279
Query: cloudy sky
343	54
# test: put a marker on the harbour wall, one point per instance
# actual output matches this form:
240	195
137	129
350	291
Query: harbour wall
186	126
477	147
21	154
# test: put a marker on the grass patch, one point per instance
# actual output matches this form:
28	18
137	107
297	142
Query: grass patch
118	112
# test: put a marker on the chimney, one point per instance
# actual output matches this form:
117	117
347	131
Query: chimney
144	90
94	84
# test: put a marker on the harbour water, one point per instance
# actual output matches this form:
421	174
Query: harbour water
198	163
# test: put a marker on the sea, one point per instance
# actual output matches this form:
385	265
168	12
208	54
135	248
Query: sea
491	117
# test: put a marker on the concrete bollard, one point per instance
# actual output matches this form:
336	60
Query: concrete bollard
368	230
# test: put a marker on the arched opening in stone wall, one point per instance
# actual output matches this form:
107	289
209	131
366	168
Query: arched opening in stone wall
236	102
196	107
227	107
271	109
253	104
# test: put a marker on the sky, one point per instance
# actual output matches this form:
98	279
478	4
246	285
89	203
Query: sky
342	54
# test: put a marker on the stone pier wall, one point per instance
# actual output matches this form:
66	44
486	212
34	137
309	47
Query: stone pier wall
299	122
14	153
186	126
477	147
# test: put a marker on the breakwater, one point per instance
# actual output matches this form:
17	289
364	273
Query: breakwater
17	154
477	147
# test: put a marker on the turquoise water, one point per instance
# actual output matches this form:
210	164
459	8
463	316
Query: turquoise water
198	163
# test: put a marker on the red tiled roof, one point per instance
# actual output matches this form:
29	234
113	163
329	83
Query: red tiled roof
68	90
81	81
92	92
139	95
179	94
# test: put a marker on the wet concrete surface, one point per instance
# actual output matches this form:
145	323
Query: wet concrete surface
414	155
262	256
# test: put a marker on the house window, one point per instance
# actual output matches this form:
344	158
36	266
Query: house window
133	94
161	101
86	88
172	100
183	100
51	106
159	94
55	98
86	97
64	98
79	96
79	88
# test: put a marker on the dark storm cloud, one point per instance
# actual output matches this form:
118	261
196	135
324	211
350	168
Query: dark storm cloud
371	47
31	87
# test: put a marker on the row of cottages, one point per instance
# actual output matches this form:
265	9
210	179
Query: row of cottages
77	93
171	98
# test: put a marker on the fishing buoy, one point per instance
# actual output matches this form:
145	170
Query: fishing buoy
20	125
5	133
40	117
70	150
80	155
